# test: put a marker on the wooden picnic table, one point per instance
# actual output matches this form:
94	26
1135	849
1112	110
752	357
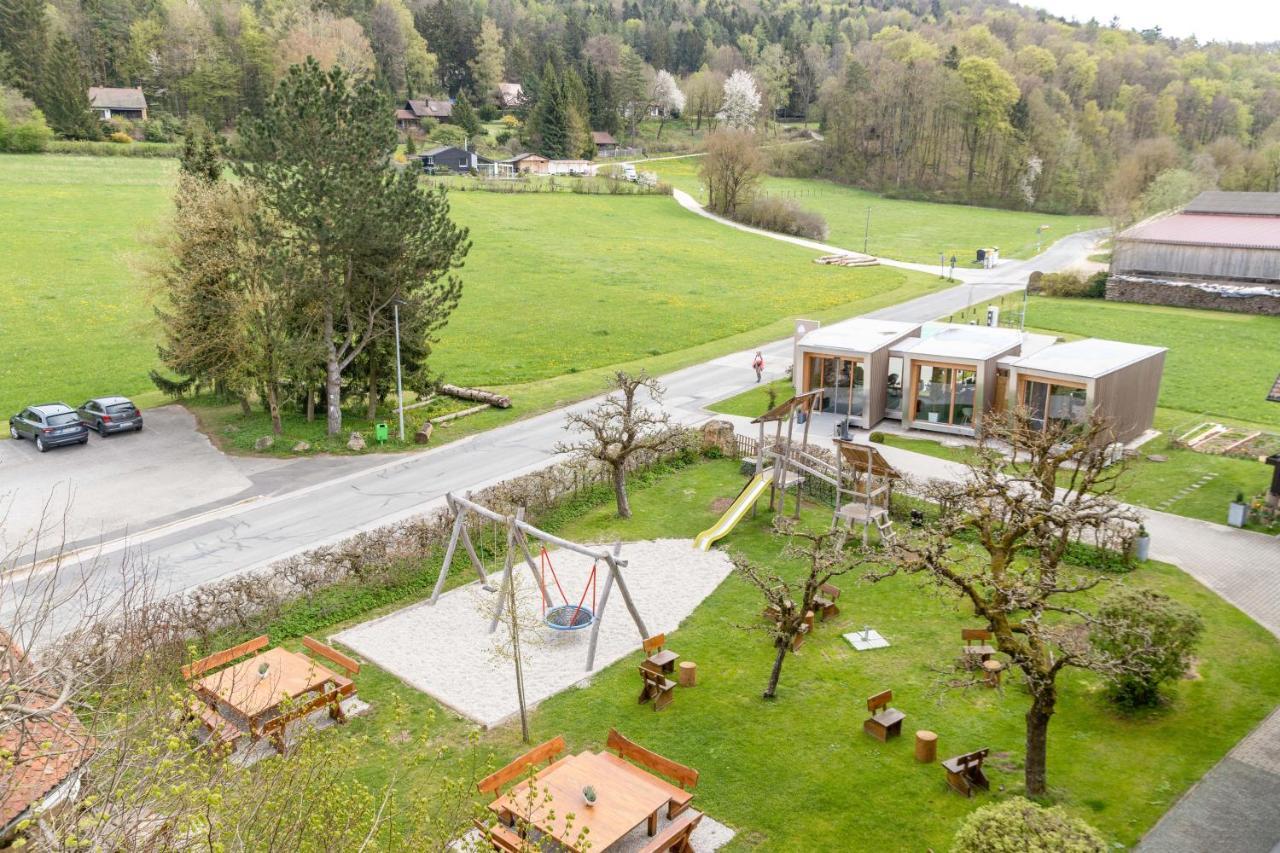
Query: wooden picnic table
289	675
625	798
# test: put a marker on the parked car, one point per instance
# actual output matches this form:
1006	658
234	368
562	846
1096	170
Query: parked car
110	414
49	425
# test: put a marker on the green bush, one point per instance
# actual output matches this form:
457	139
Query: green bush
87	148
503	137
1161	633
27	137
1018	825
783	216
488	112
876	438
121	138
1070	285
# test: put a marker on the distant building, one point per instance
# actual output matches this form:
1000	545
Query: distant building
606	145
109	102
411	112
510	95
530	164
451	158
44	755
1221	251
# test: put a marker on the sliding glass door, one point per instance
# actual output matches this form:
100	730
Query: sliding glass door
1050	403
842	382
945	394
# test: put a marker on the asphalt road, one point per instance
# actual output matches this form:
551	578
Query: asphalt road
244	535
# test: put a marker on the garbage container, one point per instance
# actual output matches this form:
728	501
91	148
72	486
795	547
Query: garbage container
380	432
982	255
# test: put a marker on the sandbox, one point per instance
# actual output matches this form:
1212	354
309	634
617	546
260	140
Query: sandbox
446	650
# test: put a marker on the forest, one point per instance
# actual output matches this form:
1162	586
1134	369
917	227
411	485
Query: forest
957	100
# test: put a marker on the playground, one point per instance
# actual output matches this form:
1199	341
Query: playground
448	651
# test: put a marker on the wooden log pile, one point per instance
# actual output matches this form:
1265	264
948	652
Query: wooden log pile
477	394
849	260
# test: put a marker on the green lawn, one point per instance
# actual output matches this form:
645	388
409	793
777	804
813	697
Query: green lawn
903	230
558	289
74	315
753	403
798	773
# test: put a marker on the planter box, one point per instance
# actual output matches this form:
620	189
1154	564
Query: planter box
1237	514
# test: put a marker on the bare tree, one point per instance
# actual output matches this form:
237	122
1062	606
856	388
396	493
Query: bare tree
789	602
731	170
619	427
1024	512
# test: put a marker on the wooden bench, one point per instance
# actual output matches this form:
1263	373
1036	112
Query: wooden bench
977	646
685	777
195	669
658	657
496	781
343	684
222	732
825	601
964	772
500	837
676	837
885	722
655	686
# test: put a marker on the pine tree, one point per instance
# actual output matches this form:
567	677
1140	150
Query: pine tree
551	117
24	38
64	93
465	117
200	152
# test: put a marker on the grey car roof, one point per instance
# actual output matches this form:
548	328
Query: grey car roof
52	408
109	400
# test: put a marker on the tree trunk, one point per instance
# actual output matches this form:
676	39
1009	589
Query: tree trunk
273	407
332	378
372	413
311	403
620	491
1038	717
776	673
245	408
662	120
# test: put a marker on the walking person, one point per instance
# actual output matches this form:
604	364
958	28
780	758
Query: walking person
758	364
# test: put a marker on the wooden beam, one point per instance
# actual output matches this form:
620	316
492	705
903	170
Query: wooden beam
458	524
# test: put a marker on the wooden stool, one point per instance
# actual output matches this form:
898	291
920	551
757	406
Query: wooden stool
688	674
926	746
992	668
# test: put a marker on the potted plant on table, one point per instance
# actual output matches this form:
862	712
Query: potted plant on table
589	796
1142	544
1238	511
262	669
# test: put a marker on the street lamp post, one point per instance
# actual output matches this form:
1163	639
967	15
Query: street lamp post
395	308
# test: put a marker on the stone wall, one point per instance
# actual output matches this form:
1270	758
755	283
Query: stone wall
1244	299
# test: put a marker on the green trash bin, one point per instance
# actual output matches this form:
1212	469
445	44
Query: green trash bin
380	432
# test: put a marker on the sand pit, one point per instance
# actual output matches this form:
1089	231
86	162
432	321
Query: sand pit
447	651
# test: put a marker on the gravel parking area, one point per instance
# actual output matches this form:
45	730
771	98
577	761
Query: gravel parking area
447	651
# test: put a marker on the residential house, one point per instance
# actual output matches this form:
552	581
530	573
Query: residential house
577	168
452	159
530	164
510	95
941	377
606	145
411	113
44	753
111	102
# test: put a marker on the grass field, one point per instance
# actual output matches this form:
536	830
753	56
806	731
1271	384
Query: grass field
826	781
903	230
74	315
557	288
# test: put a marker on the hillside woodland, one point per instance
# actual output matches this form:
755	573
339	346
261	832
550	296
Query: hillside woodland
975	102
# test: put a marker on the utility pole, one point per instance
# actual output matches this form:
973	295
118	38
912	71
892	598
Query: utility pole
866	235
395	308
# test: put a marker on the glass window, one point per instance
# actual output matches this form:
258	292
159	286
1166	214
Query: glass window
1048	403
966	393
893	399
933	394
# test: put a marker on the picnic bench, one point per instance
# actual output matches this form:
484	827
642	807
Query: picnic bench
262	687
657	656
977	646
499	779
964	772
501	838
676	837
655	686
885	722
825	601
679	795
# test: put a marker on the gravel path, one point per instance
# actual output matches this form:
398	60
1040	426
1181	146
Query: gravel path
447	651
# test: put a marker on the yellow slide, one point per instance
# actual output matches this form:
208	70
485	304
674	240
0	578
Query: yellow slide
734	514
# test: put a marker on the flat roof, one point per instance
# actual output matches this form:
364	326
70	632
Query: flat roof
1219	201
859	335
1089	358
971	343
1209	229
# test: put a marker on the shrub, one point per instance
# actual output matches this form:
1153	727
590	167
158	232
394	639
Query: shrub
121	138
488	112
503	137
783	216
1160	631
876	438
1018	825
511	121
110	149
1069	285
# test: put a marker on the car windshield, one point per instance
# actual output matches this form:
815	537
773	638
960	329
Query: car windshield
120	408
63	419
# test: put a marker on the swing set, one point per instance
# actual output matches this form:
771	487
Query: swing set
559	617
